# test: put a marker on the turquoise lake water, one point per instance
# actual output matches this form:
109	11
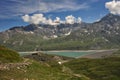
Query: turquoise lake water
74	54
69	53
23	54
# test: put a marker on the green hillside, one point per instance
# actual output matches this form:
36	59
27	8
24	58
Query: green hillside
34	67
70	42
7	55
39	71
117	53
97	69
40	66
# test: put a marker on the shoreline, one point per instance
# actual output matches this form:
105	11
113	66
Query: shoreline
79	50
92	53
69	51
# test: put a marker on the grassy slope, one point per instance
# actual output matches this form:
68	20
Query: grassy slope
97	69
78	69
7	55
37	70
117	53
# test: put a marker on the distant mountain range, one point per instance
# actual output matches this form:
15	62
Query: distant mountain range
104	34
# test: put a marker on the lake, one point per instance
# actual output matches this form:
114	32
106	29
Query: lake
74	54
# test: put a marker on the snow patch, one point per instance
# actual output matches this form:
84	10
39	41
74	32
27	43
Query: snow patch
68	33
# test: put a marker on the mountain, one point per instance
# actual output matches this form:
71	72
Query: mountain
103	34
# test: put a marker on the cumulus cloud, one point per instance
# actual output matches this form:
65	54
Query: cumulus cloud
70	19
35	19
40	19
53	22
113	6
79	20
57	20
26	18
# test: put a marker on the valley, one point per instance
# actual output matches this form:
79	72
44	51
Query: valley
59	39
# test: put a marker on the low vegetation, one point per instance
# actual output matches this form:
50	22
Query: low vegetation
117	53
97	69
46	67
32	68
38	71
7	55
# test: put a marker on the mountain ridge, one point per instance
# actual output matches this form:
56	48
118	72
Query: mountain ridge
102	34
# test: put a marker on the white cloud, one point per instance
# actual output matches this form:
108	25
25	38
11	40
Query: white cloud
79	20
113	6
70	19
49	21
54	22
40	19
35	19
57	20
26	18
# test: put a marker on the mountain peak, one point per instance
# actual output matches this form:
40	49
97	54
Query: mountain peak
110	18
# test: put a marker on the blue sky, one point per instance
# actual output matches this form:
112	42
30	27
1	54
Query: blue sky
11	11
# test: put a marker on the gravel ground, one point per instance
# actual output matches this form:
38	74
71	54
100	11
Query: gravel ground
100	54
